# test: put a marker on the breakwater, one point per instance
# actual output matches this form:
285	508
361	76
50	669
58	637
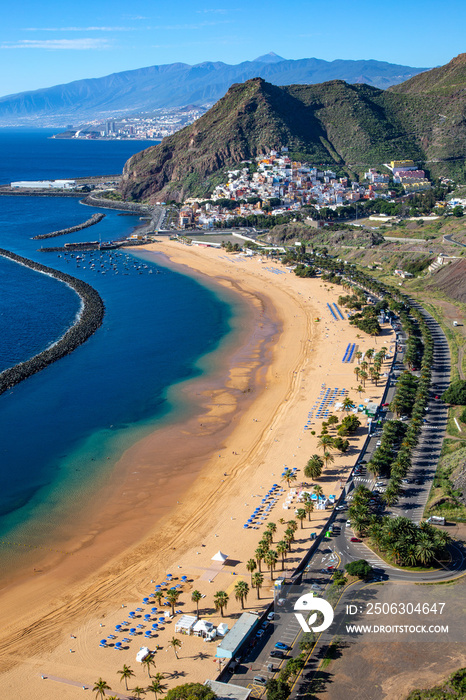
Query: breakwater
95	218
93	200
88	320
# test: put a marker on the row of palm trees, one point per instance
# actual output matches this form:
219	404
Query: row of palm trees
419	351
156	685
405	542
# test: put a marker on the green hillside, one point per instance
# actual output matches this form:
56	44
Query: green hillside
334	123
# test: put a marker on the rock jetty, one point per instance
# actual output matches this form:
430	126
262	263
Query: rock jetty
87	322
95	218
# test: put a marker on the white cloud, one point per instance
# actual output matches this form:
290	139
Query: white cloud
58	44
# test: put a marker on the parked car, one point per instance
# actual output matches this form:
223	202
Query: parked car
270	616
259	680
355	539
282	646
277	654
260	633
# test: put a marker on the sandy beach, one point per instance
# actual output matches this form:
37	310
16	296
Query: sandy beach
185	492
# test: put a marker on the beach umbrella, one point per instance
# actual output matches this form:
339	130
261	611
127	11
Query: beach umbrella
147	617
168	576
132	614
118	628
147	633
118	645
158	587
132	630
103	641
155	626
145	600
153	610
161	619
246	525
184	578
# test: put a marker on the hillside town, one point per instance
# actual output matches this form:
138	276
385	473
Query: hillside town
275	184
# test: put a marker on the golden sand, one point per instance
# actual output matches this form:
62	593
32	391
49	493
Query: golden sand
184	492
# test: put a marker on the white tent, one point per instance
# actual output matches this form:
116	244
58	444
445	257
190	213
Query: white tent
185	624
142	654
220	557
202	628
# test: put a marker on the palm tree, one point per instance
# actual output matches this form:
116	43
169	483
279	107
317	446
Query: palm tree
157	686
138	691
313	468
125	673
271	559
356	371
148	662
308	506
301	514
363	376
259	554
220	601
369	354
251	566
158	595
272	528
289	475
325	441
257	581
318	490
282	549
293	525
196	596
360	390
358	355
172	597
175	644
241	592
348	403
267	538
328	457
100	687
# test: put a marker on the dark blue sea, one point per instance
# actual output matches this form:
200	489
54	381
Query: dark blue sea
59	428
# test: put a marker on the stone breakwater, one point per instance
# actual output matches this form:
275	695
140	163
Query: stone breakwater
95	218
88	320
103	203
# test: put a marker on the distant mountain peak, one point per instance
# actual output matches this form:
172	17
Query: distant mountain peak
270	57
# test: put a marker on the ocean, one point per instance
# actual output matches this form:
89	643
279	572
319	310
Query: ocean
63	429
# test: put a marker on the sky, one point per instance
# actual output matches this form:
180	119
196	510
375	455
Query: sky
50	42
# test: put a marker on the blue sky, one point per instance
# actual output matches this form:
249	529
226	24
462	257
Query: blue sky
48	43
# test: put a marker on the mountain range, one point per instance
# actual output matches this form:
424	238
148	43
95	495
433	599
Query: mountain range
346	126
179	84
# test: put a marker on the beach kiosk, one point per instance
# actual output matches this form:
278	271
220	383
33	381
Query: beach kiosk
236	637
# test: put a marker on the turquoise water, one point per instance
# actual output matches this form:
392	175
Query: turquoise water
59	427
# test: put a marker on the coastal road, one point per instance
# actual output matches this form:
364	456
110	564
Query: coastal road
339	550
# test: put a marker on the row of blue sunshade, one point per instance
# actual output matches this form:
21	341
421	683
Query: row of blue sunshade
268	502
327	398
349	352
333	312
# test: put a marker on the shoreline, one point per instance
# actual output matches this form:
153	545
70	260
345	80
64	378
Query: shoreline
89	319
225	470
